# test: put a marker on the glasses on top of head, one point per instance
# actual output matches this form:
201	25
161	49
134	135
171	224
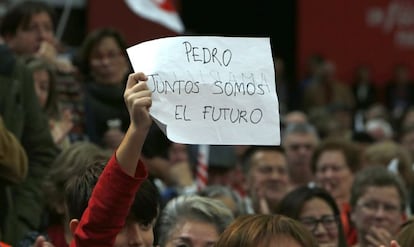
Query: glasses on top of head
330	222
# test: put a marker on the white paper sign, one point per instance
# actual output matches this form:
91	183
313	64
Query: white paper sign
211	90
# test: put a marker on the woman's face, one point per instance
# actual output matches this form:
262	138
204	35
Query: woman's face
108	62
334	175
319	218
193	233
41	84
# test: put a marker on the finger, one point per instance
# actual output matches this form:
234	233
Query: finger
134	78
40	240
394	243
373	241
381	234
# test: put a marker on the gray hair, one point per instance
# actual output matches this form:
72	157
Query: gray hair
184	208
214	191
300	128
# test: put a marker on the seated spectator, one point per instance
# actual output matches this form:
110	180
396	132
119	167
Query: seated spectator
60	122
193	221
104	64
266	230
267	178
312	206
28	29
378	202
68	164
334	163
300	141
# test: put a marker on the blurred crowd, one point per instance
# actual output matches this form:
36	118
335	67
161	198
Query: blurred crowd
343	175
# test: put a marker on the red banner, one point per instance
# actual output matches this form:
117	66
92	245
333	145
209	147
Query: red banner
377	33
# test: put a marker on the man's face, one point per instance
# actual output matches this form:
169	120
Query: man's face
268	176
135	234
299	149
27	40
379	208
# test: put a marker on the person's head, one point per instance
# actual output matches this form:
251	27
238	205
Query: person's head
334	163
103	56
138	229
226	195
299	142
266	230
26	25
378	199
192	221
266	173
295	117
44	79
388	154
69	163
317	211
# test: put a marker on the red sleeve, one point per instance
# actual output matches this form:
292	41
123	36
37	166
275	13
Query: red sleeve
108	206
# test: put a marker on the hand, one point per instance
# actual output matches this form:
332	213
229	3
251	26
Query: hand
138	100
378	236
47	51
41	242
392	244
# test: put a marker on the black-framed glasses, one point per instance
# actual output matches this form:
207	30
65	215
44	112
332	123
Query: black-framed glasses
329	222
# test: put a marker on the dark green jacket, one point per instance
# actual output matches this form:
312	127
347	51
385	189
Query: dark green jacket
23	116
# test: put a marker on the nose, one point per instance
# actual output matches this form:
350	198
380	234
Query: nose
380	212
134	235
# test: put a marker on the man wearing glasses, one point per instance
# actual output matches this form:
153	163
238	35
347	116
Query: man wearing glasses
378	202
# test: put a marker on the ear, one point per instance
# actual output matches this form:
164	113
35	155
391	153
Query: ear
73	225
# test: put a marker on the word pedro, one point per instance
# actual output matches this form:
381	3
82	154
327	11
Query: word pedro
215	114
207	55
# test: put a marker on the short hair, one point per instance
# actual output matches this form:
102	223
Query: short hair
185	208
20	15
376	176
347	148
90	42
382	153
252	150
300	128
69	163
252	230
292	205
79	189
214	191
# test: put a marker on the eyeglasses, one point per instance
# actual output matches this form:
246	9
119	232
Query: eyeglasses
374	206
330	222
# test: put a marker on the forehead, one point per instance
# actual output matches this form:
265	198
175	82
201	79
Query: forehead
316	207
272	157
331	157
380	193
195	231
40	16
296	137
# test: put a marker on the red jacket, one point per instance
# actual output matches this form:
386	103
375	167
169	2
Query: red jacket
108	206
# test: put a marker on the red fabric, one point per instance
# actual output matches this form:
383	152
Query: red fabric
4	245
350	231
108	206
56	234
